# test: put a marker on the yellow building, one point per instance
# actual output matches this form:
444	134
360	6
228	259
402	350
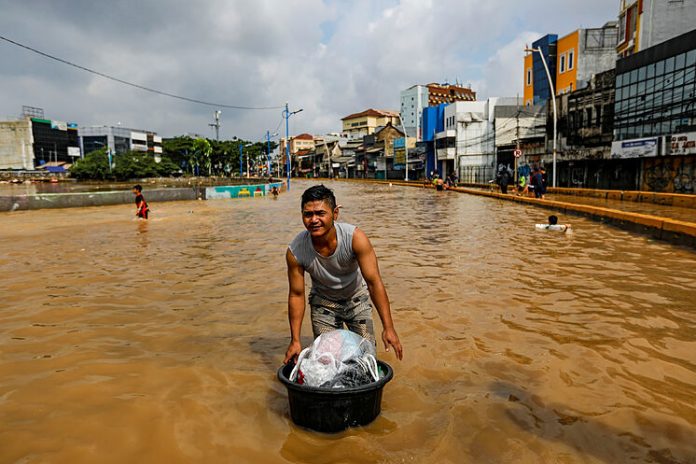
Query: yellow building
629	27
566	63
366	122
528	80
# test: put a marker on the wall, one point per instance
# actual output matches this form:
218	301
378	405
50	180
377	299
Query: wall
664	19
597	53
82	199
674	174
16	145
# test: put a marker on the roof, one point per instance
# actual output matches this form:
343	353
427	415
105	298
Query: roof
304	136
371	112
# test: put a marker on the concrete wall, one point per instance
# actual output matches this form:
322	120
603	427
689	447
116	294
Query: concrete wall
81	199
664	19
16	145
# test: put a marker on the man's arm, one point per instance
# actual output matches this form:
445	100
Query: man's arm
367	260
296	306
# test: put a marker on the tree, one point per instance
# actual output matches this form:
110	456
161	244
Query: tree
201	154
94	166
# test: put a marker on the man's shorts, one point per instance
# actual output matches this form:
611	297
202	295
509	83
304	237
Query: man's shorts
355	313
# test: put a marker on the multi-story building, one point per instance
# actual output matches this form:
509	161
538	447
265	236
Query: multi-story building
572	60
417	97
646	23
466	145
119	140
519	127
536	82
36	142
584	53
655	113
357	125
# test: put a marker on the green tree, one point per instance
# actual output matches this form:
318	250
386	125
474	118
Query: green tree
94	166
201	154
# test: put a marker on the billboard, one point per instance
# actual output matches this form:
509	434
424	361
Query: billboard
682	144
636	148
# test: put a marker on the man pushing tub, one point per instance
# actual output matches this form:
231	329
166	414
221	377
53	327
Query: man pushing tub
345	276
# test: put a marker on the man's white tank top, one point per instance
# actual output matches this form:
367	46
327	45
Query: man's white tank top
336	277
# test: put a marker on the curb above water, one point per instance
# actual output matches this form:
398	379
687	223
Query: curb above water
661	228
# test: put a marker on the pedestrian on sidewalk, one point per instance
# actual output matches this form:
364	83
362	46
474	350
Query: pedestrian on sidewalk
503	179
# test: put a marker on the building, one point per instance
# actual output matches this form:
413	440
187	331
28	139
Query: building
572	60
16	145
298	143
119	140
519	127
37	143
417	97
357	125
536	88
585	129
646	23
584	53
655	114
466	145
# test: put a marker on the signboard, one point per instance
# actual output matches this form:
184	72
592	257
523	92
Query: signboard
74	152
636	148
60	125
517	153
399	156
683	144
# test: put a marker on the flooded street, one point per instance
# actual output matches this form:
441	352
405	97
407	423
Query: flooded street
159	341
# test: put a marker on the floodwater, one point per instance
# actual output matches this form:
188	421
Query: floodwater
125	341
679	213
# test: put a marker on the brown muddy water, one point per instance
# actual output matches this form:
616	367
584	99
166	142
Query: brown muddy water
159	341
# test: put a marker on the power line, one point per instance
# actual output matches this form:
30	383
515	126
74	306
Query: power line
138	86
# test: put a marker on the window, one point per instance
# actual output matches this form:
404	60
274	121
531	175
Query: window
571	56
529	76
563	57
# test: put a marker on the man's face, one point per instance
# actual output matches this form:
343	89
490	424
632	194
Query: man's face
135	192
318	218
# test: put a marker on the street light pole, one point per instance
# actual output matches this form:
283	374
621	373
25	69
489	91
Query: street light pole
286	115
553	97
405	145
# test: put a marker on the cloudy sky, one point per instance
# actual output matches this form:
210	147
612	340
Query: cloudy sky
329	57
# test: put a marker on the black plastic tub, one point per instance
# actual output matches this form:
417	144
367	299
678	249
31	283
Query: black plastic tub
334	409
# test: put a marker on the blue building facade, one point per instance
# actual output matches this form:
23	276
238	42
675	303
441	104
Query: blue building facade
547	45
433	122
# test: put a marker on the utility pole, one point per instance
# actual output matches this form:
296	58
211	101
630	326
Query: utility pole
286	115
517	137
216	124
268	153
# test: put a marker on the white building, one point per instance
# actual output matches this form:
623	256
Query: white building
417	97
467	146
119	140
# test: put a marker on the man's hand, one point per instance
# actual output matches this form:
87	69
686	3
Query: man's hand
390	338
293	351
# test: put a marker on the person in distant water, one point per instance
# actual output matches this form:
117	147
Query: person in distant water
451	180
544	181
141	208
345	276
439	184
274	191
538	183
554	225
503	179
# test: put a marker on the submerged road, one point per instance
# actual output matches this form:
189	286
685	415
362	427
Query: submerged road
125	341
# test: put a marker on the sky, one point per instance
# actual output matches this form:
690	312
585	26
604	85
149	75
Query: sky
329	58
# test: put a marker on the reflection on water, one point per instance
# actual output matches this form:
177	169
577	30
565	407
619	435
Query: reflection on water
158	341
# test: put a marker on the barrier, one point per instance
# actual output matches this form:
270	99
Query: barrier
226	192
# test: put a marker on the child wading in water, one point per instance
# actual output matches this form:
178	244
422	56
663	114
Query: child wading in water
141	208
